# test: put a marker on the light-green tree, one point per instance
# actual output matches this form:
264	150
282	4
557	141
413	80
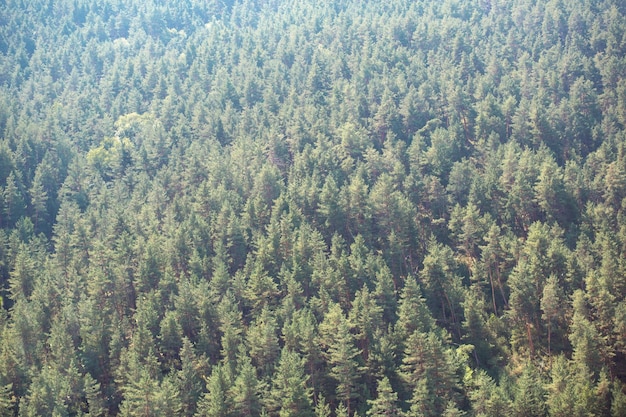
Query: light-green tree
246	389
216	402
290	396
386	401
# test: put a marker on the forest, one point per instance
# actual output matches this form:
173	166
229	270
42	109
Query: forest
298	208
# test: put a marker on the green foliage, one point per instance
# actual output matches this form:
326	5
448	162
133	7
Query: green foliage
215	402
290	396
295	208
246	390
386	400
529	395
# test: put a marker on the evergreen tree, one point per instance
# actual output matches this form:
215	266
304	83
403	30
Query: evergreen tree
529	394
345	368
618	400
413	313
386	401
6	400
442	286
216	402
246	390
171	341
228	196
188	379
146	397
263	342
322	409
427	369
290	396
487	398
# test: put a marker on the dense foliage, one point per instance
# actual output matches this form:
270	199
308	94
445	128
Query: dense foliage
313	208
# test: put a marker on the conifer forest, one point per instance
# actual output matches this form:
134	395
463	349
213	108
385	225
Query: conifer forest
299	208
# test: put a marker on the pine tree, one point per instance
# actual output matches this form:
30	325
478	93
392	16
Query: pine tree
7	400
345	368
588	346
550	306
188	379
301	335
492	257
290	396
246	390
322	409
442	286
215	402
342	411
413	313
366	317
263	342
618	400
385	292
171	341
529	395
230	327
486	397
146	397
573	392
476	330
386	402
427	369
23	275
331	213
13	199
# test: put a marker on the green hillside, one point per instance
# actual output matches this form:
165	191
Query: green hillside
313	208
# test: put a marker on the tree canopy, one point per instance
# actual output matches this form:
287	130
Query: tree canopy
330	208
